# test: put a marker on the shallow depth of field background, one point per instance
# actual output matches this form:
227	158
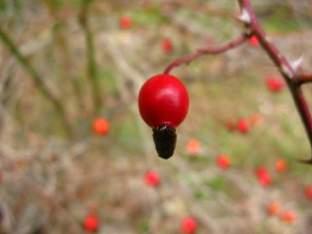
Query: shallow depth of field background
50	181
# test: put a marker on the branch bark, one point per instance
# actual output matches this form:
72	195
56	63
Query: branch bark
91	60
39	83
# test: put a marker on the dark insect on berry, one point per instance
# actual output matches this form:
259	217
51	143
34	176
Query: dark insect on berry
165	138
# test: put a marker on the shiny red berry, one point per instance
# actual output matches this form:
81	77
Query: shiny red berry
163	105
91	222
163	100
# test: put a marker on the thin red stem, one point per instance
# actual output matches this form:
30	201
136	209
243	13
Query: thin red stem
304	78
206	51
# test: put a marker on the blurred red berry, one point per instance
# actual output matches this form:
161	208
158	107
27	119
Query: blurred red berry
223	161
261	171
189	225
273	208
243	126
264	178
275	84
193	147
253	41
100	126
308	192
152	179
281	166
91	223
125	22
167	45
288	216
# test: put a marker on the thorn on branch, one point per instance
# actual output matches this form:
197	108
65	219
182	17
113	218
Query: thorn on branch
245	17
296	64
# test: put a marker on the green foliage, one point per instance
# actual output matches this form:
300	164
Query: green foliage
149	16
108	79
217	183
282	20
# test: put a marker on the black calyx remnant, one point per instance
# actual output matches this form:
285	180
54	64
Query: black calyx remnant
165	138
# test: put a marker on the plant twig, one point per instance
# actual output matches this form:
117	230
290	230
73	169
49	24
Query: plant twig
290	73
206	51
41	86
91	61
304	78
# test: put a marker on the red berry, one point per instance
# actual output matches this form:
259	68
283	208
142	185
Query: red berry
265	180
223	161
261	171
243	126
189	225
253	41
101	126
288	216
280	166
308	192
125	22
167	45
273	208
163	100
263	176
275	84
91	222
193	147
152	179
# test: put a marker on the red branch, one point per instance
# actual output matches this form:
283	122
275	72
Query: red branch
204	51
293	78
304	78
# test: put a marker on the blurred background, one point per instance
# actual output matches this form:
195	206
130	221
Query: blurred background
75	156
